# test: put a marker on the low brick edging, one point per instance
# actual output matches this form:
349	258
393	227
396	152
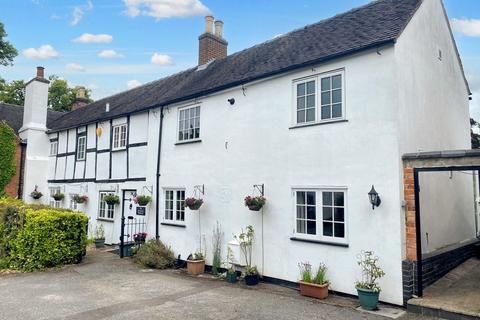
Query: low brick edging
434	267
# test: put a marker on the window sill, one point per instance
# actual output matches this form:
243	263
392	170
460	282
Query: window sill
105	220
317	123
188	142
173	224
119	149
336	244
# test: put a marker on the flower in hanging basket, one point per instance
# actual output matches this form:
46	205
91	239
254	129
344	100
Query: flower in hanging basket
58	196
142	200
140	237
255	203
80	199
35	194
193	203
111	199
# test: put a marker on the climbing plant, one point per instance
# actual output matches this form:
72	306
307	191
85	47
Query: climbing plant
7	155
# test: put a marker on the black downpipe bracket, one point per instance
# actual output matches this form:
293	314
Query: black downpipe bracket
157	197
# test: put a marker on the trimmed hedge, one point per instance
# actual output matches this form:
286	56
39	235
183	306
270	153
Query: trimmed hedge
7	156
37	237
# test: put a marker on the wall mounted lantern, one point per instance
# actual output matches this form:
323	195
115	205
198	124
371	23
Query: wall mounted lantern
374	198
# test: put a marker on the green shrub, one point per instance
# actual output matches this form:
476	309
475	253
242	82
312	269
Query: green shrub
8	145
49	238
155	254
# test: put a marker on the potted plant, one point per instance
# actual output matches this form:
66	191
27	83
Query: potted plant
111	199
142	200
196	263
58	196
255	203
315	286
368	288
80	199
140	237
245	240
193	203
99	236
231	272
35	194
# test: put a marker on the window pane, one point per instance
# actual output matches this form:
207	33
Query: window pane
336	81
300	116
328	229
326	112
311	114
197	133
197	111
325	83
337	96
300	212
311	227
301	103
311	213
310	87
338	196
301	89
327	198
326	97
300	197
301	226
339	230
311	198
327	213
339	214
336	110
310	101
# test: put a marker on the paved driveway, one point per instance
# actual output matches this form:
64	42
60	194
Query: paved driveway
105	287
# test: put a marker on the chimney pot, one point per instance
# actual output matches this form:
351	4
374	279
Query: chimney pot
208	24
40	72
218	28
80	94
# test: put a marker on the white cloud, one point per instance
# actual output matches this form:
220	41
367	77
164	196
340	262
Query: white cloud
133	83
45	51
161	59
468	27
163	9
75	67
109	54
79	11
94	38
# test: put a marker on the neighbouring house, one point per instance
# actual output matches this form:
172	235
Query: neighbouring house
315	116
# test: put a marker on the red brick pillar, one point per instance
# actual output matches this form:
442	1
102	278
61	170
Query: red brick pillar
410	228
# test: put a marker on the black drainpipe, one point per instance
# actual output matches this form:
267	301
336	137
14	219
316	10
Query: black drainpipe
157	198
23	146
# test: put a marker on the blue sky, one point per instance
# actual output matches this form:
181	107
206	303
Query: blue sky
111	45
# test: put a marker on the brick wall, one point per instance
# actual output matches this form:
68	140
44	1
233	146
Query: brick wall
211	47
12	187
410	228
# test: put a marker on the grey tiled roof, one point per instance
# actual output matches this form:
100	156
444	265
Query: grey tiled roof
13	116
376	23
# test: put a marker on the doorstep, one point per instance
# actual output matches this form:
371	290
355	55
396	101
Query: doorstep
387	312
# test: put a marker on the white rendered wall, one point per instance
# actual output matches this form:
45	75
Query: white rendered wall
434	115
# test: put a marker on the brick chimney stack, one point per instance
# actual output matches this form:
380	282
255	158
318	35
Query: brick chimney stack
212	45
80	99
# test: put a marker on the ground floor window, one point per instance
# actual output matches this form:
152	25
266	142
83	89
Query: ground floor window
105	211
321	214
52	202
73	204
174	205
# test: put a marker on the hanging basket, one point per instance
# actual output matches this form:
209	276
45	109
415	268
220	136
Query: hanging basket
255	203
193	203
111	199
36	195
142	200
80	199
58	196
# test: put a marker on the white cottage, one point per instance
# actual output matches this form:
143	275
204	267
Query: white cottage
317	116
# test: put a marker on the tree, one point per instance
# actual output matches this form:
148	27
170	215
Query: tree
475	137
7	156
60	95
7	51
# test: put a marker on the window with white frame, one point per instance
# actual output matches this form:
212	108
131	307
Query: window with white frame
189	124
319	98
119	137
52	202
321	214
73	204
105	211
81	147
53	148
175	205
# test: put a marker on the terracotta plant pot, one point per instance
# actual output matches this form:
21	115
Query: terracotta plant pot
195	267
319	291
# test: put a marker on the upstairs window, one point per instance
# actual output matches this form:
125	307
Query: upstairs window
53	148
81	148
189	124
175	205
119	137
319	98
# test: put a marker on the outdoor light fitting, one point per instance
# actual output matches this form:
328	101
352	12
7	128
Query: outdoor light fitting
374	198
231	101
